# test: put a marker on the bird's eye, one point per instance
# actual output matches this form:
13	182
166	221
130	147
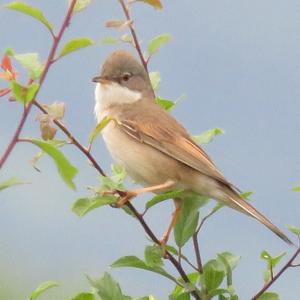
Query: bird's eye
126	76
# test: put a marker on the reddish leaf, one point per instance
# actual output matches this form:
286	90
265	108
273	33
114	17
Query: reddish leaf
6	64
8	74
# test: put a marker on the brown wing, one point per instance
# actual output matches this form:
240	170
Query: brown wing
157	128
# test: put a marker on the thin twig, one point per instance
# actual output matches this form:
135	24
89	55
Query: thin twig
139	216
133	33
283	269
197	252
73	140
56	40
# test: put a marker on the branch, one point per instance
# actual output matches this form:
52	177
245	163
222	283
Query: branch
73	140
56	40
133	33
139	216
283	269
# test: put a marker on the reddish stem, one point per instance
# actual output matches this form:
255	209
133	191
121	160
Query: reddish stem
27	109
283	269
133	33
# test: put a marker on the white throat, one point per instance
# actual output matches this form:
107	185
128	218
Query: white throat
110	94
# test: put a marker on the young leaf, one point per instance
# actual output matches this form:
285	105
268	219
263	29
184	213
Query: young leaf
80	5
109	40
30	61
24	94
135	262
153	256
272	261
296	188
231	259
100	126
165	103
107	288
120	25
84	205
269	296
42	288
154	3
155	80
74	45
229	262
10	182
66	170
29	10
162	197
188	219
207	136
157	42
182	292
213	274
84	296
150	297
294	229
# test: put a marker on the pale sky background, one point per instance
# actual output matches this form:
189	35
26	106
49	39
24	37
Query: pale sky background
238	63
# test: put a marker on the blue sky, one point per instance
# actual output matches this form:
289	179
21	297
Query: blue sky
238	65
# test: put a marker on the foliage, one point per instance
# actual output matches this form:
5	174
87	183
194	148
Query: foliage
212	280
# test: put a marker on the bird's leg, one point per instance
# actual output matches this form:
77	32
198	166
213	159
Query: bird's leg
133	193
175	215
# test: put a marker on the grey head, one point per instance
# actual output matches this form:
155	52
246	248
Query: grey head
123	68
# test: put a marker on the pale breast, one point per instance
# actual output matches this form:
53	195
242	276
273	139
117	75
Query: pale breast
143	163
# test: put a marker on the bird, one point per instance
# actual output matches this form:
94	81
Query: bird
154	148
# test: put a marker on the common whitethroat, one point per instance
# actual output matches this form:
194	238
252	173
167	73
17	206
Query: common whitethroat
155	149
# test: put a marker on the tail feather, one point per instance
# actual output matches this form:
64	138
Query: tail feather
235	201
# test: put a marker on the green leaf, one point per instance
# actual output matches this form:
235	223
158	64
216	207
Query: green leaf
165	103
154	3
162	197
9	52
81	5
109	40
207	136
157	42
65	169
31	62
296	188
269	296
135	262
294	229
84	296
150	297
155	80
107	288
272	261
31	11
100	126
74	45
10	182
246	195
188	219
84	205
182	292
213	274
42	288
229	261
153	256
24	94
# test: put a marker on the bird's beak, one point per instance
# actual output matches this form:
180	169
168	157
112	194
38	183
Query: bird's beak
99	79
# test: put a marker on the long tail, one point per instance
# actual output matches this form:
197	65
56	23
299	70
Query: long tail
234	200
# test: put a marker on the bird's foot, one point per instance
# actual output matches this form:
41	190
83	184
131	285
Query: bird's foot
123	200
